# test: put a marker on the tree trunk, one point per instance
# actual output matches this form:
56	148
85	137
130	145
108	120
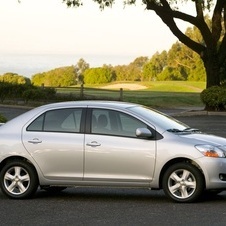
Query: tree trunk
212	66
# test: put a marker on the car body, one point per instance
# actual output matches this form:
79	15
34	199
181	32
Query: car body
108	143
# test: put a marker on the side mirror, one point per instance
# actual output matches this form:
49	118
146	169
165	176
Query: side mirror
143	133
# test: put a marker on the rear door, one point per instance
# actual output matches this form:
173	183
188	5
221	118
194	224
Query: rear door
55	142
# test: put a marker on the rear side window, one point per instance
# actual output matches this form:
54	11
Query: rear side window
37	124
61	120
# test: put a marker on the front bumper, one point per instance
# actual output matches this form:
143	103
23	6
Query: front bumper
214	170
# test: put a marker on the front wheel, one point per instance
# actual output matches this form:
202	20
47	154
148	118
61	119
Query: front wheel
183	182
18	180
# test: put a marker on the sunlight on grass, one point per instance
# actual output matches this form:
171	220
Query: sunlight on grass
175	86
169	94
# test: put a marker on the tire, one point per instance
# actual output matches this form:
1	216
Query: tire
53	189
183	182
18	180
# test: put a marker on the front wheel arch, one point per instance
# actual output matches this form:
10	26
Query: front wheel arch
183	182
175	161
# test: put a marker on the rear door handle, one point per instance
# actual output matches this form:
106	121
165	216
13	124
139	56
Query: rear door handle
93	144
35	141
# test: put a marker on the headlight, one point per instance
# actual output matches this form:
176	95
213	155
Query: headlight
211	151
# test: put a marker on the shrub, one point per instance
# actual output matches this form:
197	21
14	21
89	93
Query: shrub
49	93
12	91
5	90
41	94
214	98
2	119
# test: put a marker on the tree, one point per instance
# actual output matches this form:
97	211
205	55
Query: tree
98	75
80	68
155	66
135	69
64	76
170	74
14	78
212	50
121	72
131	72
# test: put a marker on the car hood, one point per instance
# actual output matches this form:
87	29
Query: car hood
202	138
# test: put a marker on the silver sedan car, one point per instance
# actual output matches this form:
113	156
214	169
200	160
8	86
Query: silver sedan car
113	144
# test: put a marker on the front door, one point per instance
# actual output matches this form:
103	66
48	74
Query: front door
113	153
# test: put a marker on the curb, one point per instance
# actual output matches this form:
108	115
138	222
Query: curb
177	112
199	113
16	106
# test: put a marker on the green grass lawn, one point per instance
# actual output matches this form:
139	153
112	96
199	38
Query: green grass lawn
176	86
164	99
170	94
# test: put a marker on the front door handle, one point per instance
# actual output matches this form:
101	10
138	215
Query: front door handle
93	144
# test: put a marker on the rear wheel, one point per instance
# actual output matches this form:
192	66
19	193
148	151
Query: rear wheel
183	182
18	180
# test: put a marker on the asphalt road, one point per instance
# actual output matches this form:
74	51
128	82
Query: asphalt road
89	206
102	206
214	124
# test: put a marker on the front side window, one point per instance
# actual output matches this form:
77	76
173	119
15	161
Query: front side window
111	122
60	120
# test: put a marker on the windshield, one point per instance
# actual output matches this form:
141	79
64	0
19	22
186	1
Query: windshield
159	119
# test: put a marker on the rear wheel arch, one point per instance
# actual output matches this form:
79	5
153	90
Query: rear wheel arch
15	158
25	164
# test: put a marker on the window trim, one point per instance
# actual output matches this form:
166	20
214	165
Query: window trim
81	126
89	122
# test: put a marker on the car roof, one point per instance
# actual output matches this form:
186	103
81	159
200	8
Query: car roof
23	118
90	103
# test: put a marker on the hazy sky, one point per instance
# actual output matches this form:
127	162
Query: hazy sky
48	26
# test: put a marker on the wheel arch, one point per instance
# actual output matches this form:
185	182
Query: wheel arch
18	158
178	160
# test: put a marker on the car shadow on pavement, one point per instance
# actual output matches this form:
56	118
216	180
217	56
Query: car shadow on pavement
110	194
105	194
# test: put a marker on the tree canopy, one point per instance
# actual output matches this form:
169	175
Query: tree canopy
211	47
14	78
178	63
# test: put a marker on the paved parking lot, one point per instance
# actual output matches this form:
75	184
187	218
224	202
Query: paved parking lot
12	111
102	206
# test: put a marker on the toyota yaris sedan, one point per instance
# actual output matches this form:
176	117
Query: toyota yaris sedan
113	144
